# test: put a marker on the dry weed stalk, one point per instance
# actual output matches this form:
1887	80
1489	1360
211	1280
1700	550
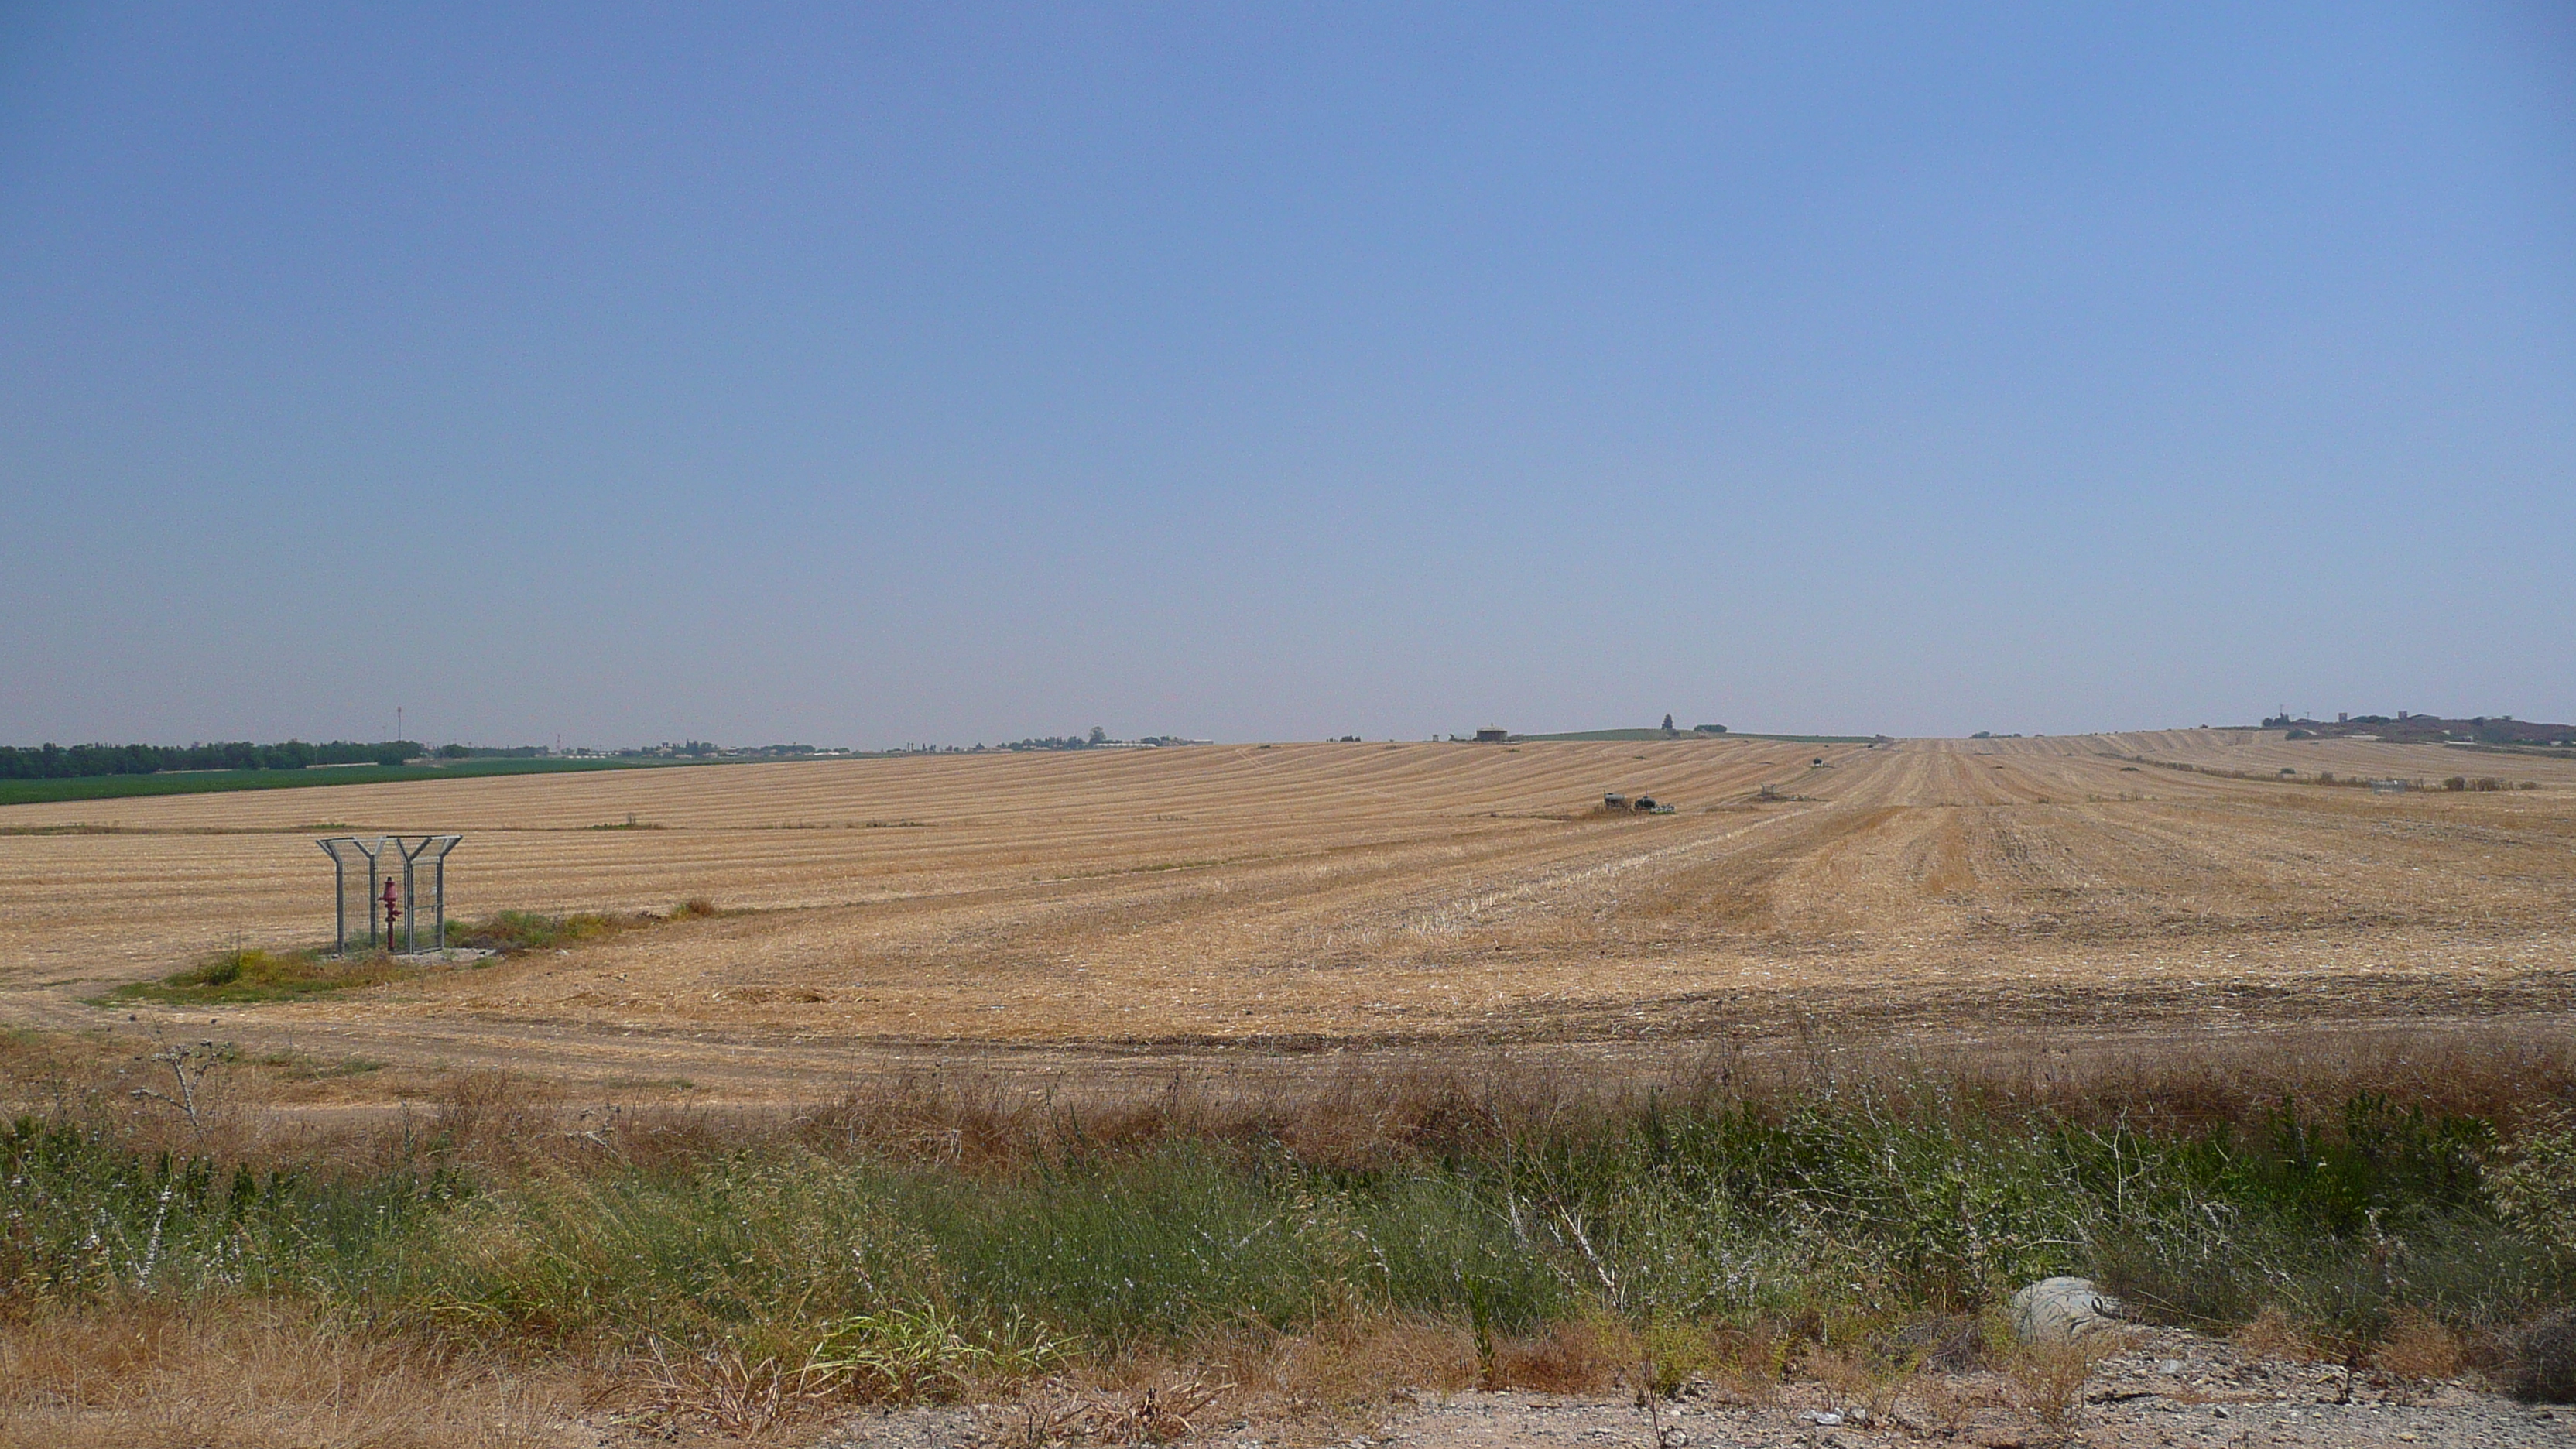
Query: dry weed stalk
190	1066
1945	1406
1157	1413
718	1388
1859	1381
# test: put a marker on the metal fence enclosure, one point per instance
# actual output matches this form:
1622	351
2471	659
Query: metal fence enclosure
415	866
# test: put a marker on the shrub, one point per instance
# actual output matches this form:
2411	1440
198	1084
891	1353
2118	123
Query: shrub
87	1216
532	931
2540	1360
2532	1183
757	1256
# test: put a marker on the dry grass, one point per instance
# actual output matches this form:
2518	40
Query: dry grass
1946	1407
1342	1375
1158	1412
1855	1380
250	1374
1345	1365
2045	1381
305	1108
2419	1350
1358	1120
2271	1334
1588	1356
1750	1363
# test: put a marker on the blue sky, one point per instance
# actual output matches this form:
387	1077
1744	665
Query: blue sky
856	375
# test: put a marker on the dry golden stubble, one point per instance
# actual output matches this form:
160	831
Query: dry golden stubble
1309	898
262	1373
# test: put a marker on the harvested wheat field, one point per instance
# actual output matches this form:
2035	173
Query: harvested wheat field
1259	904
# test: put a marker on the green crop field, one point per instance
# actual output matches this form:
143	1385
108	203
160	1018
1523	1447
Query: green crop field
195	782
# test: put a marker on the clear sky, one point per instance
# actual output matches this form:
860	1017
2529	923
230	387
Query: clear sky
865	374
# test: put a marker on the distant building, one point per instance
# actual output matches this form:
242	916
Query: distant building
1493	735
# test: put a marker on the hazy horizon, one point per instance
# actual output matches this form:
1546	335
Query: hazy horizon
854	377
1681	728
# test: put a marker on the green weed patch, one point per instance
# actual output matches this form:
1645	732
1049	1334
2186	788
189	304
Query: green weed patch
255	974
532	931
251	974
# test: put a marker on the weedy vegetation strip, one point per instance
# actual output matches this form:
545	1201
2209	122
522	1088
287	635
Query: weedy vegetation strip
907	1243
245	974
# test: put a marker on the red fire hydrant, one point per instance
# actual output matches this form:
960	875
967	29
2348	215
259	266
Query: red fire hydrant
393	910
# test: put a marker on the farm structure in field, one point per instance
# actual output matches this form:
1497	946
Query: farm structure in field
1642	804
403	917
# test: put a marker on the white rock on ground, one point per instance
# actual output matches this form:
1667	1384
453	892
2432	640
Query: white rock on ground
2062	1310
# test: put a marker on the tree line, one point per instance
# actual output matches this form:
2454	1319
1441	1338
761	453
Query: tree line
1098	736
55	762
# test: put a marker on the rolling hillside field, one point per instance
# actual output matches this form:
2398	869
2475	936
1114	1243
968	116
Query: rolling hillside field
1271	902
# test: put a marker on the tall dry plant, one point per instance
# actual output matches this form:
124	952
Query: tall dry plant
2045	1381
